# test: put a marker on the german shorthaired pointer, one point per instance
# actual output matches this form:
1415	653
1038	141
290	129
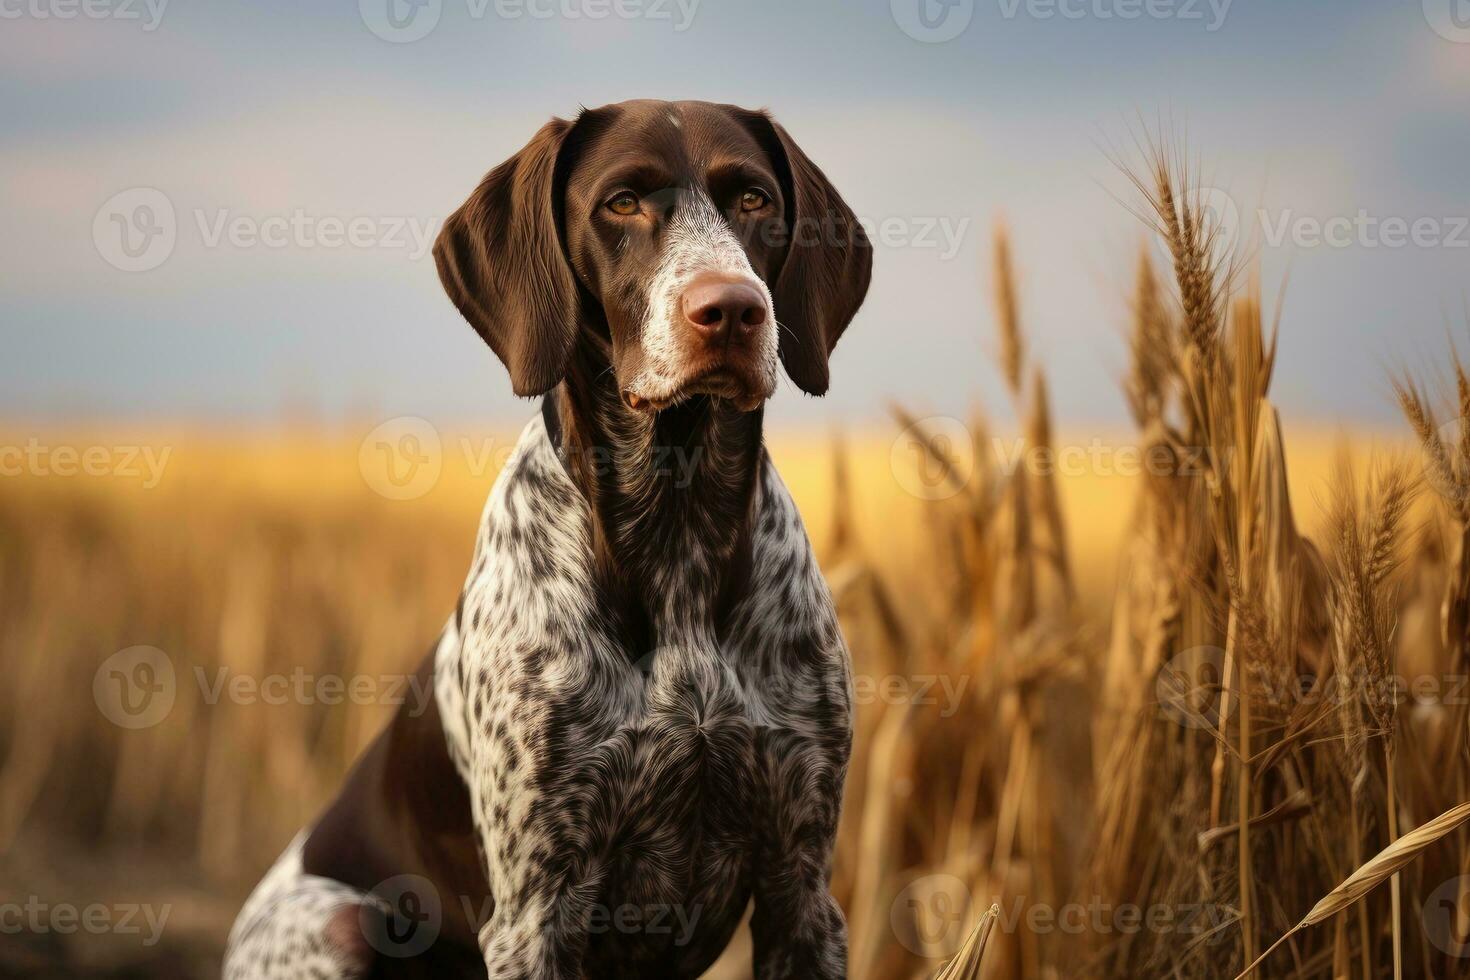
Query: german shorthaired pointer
642	712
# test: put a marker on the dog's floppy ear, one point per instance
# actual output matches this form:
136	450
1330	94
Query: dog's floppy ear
828	263
501	261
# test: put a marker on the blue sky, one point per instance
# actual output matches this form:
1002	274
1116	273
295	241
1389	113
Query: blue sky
269	128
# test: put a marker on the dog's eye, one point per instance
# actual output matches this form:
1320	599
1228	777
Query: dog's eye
625	203
754	199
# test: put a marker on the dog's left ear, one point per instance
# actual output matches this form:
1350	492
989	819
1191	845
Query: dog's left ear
501	261
828	263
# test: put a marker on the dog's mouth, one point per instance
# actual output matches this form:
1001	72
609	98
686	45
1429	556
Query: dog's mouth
723	381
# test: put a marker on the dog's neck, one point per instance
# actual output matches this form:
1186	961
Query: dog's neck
672	496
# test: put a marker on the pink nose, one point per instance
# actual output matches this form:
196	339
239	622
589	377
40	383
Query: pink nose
722	309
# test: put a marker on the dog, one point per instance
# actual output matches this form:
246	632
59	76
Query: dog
643	703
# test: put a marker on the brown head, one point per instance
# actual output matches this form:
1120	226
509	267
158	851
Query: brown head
697	240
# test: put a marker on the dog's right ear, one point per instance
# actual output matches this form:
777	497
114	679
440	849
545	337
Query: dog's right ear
501	261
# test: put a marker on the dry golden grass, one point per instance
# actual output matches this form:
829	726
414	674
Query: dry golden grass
1078	693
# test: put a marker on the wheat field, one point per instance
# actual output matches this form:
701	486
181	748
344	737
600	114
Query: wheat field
1164	707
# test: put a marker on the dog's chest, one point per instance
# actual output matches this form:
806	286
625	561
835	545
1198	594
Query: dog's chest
637	784
674	799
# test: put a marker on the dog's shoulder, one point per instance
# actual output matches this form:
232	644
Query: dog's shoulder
531	566
528	590
787	588
533	509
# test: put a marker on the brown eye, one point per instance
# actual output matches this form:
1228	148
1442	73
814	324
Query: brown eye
625	203
754	199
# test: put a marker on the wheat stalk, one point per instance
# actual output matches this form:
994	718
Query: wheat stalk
1380	868
1012	341
966	963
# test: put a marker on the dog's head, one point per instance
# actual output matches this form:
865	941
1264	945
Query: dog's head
697	239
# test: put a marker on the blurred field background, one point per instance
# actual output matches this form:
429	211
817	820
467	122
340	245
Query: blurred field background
1074	757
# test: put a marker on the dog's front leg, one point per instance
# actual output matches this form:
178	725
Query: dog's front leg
537	929
798	928
800	935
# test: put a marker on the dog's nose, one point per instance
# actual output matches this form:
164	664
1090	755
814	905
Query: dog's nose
720	308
